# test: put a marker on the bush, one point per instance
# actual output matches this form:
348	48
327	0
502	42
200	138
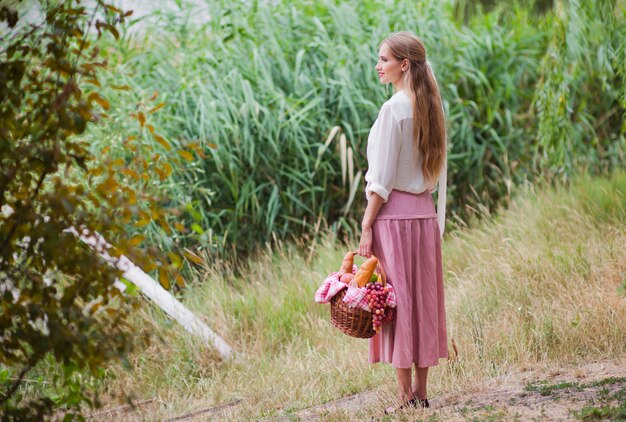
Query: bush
58	299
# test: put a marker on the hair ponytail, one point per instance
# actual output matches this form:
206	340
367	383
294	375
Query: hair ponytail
429	127
429	131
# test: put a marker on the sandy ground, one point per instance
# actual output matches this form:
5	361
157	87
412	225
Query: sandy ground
537	395
552	395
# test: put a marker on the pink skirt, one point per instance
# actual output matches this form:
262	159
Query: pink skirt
406	240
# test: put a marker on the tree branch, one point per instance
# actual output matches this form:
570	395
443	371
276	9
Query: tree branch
4	397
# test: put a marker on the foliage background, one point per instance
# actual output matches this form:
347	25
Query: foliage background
58	300
280	101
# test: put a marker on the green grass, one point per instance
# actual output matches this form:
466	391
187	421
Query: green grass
545	389
614	413
611	406
608	381
536	285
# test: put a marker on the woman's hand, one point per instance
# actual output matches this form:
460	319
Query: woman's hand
374	202
365	245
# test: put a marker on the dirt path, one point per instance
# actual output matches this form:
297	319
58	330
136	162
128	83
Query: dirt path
568	394
595	388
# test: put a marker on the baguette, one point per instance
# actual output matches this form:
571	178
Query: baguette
346	265
364	273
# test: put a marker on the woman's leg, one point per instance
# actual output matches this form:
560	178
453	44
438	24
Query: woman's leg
404	384
404	390
421	379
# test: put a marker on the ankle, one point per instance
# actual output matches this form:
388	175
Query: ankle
406	397
416	394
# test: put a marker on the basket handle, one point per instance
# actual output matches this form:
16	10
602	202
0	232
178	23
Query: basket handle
378	266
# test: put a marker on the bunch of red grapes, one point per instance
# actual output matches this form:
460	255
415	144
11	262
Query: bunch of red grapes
376	297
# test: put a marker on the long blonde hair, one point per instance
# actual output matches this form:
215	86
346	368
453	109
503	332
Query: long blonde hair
429	127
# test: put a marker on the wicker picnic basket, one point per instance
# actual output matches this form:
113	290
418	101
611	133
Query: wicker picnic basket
353	321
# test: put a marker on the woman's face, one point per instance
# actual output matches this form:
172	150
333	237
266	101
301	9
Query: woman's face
388	67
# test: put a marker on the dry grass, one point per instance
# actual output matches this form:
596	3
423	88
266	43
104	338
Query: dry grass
536	286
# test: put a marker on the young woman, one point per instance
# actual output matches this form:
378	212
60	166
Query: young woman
406	154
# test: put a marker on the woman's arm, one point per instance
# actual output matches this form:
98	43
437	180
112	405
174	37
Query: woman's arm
383	150
374	203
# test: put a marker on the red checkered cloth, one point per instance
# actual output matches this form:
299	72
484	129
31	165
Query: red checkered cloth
355	296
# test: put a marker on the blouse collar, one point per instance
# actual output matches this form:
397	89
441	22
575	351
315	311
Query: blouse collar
402	91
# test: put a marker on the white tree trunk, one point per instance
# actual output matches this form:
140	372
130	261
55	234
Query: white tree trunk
155	292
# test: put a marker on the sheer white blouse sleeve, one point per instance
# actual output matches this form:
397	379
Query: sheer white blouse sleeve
383	150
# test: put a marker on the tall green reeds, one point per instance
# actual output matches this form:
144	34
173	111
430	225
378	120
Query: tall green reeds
579	99
267	109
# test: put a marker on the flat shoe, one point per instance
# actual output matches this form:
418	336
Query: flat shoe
423	403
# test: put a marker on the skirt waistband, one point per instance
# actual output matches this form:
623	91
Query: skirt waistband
405	205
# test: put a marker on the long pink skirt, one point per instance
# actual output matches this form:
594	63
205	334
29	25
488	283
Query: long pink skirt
406	240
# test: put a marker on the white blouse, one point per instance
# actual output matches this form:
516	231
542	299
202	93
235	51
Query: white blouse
390	155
